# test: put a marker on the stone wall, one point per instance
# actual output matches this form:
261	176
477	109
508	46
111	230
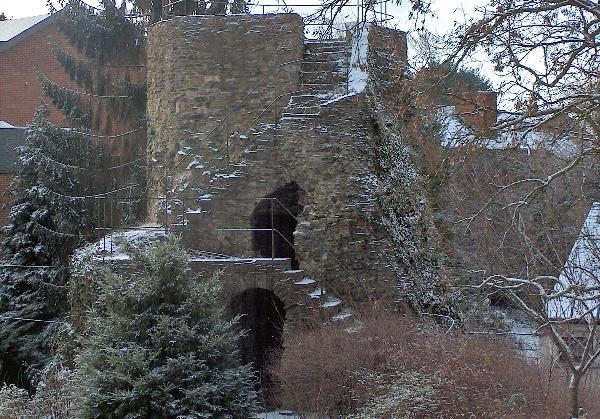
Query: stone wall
202	68
331	155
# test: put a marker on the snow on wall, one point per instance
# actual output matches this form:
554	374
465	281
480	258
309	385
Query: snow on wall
399	190
358	74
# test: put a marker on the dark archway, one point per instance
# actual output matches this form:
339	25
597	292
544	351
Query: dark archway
262	317
280	214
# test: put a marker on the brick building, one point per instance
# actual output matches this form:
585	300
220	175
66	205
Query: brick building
26	49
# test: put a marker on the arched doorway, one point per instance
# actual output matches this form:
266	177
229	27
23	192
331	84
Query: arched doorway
262	317
279	213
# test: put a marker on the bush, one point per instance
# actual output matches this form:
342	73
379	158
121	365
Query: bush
387	366
157	345
52	399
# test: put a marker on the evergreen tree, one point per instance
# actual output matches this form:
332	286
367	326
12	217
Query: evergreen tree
48	220
158	346
110	73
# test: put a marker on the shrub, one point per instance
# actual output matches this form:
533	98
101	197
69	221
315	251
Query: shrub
157	344
387	366
52	399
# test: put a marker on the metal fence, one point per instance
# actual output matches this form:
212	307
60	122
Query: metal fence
326	20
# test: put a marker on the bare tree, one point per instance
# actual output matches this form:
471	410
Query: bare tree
546	54
566	307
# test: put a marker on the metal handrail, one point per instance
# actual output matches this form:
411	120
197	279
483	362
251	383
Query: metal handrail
320	245
321	280
362	10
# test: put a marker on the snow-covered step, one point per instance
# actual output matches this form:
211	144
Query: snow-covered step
305	281
287	115
305	101
323	77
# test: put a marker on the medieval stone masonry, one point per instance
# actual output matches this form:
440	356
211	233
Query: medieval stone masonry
261	142
253	129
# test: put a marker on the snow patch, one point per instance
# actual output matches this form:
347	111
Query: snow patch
342	315
305	281
112	246
358	75
279	414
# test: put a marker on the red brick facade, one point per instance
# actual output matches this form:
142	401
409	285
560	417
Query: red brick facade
20	90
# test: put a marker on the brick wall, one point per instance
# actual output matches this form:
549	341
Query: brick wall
478	109
20	90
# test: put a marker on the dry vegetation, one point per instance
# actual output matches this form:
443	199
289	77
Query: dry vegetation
384	366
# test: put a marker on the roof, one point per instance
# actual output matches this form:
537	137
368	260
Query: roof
5	125
456	133
10	139
581	270
12	30
13	27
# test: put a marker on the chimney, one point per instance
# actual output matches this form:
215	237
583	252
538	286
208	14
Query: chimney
477	109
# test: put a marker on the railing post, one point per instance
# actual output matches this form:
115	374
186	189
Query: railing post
111	227
166	210
182	218
104	224
227	135
272	231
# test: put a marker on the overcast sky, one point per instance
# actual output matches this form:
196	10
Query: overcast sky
447	13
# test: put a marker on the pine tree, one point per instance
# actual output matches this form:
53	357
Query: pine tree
48	220
157	344
111	101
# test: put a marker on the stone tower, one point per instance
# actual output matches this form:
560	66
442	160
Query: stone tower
263	144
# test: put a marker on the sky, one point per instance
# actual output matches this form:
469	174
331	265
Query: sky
446	14
448	11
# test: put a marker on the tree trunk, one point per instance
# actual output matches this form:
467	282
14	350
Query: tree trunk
574	394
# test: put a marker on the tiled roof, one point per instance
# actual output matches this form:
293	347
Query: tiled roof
13	27
10	138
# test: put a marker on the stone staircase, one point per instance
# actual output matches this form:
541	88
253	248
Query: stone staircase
324	76
291	284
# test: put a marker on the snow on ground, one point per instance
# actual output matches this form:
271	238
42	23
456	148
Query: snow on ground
279	414
111	247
